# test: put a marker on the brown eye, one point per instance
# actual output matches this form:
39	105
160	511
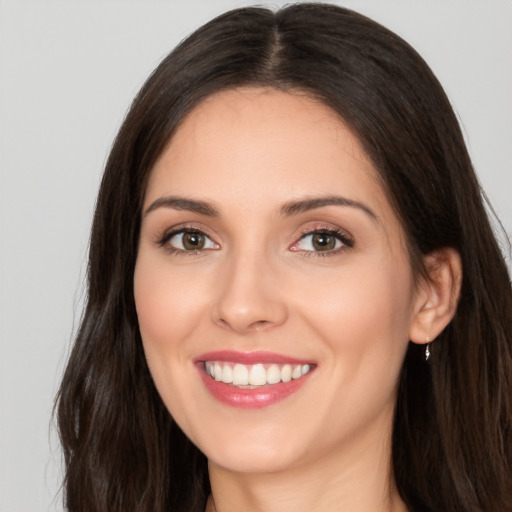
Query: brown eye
193	241
189	241
323	242
326	241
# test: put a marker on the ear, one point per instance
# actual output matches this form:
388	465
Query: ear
437	295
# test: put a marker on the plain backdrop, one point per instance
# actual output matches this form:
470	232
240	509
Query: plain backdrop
68	71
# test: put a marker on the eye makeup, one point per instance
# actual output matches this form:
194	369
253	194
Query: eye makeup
322	241
186	240
319	240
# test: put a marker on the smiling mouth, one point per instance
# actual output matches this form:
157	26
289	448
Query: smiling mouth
253	376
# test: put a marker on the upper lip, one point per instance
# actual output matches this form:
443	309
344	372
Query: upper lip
249	358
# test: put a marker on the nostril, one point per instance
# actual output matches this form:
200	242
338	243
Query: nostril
249	311
222	323
260	325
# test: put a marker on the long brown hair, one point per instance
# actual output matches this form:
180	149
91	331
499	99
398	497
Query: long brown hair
452	439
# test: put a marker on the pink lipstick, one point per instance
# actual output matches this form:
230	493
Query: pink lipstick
252	380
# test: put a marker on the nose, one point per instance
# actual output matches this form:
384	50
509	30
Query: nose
250	297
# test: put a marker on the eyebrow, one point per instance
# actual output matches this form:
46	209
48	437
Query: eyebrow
183	203
303	205
287	209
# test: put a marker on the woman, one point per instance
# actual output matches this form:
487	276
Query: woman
295	300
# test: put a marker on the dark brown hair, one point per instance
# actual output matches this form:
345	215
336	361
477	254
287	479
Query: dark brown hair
452	439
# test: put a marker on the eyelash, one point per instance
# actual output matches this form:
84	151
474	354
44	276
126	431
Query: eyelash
163	241
346	240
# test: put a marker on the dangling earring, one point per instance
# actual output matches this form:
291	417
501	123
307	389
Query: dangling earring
427	349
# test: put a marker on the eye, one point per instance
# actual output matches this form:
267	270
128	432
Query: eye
323	240
188	240
320	242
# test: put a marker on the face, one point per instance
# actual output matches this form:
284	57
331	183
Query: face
272	284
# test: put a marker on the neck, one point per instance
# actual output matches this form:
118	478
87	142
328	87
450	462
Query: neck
357	478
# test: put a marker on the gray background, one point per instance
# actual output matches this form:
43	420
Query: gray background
68	71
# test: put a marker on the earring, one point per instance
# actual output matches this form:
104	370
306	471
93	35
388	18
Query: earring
427	349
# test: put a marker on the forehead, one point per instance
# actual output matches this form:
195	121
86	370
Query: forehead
261	146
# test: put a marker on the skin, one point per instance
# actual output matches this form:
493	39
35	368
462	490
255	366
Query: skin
260	284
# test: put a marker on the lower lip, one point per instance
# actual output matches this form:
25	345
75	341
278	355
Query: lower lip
255	398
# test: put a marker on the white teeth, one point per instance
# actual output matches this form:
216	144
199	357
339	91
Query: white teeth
257	375
227	374
286	373
217	369
273	374
240	375
254	375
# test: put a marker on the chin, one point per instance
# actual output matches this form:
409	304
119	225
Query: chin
258	450
254	460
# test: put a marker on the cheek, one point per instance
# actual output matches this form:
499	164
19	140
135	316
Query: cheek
363	320
167	310
377	297
364	316
168	303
